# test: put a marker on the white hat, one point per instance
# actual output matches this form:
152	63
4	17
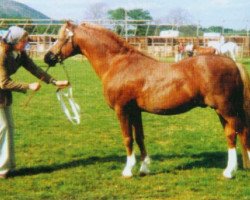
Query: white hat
14	34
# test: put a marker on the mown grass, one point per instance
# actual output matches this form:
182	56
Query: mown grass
58	160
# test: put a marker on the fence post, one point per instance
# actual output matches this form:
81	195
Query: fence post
126	25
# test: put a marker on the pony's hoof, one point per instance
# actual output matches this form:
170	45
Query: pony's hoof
246	167
144	173
144	167
127	173
127	176
228	174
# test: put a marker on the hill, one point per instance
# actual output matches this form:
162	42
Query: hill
13	9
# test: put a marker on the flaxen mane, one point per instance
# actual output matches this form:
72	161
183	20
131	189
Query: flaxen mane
115	37
61	33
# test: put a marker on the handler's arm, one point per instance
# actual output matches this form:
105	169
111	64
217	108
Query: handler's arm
29	65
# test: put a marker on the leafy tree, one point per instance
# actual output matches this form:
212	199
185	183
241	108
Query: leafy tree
139	14
217	29
135	14
117	14
188	30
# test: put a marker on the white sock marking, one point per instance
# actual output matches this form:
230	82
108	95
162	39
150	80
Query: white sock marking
144	166
231	164
127	172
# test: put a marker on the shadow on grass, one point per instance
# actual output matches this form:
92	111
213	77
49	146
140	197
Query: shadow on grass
73	164
202	160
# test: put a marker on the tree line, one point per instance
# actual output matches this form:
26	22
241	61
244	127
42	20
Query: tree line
177	18
138	22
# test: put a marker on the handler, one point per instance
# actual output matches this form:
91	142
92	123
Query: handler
12	57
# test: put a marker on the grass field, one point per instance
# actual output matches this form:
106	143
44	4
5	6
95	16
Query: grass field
58	160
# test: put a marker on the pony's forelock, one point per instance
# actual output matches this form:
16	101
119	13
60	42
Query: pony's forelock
61	33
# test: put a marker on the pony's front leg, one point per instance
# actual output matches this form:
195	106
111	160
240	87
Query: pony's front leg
231	164
144	169
126	128
127	171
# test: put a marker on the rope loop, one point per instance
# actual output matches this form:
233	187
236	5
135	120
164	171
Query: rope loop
70	108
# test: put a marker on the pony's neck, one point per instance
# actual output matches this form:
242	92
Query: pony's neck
101	47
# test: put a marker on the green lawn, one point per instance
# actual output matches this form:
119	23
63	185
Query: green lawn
58	160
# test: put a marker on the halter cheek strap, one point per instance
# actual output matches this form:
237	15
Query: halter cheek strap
69	36
72	112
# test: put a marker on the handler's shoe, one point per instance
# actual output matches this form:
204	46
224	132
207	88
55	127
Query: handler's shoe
4	176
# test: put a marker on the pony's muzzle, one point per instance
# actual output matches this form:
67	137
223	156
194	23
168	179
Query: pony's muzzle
51	59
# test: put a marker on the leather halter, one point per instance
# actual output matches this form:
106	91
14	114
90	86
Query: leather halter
69	38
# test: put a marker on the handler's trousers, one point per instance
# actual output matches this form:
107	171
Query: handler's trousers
7	156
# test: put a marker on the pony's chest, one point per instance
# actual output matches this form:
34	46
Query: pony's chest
120	90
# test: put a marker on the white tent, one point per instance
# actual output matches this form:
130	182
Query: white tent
211	35
169	33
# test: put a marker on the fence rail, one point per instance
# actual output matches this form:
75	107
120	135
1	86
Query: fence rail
44	32
127	27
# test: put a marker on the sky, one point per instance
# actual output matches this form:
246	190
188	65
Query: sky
229	13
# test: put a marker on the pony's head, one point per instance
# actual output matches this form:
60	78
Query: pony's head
64	47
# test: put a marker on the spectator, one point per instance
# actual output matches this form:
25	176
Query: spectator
179	51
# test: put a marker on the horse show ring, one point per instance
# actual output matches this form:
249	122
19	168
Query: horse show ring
85	160
58	160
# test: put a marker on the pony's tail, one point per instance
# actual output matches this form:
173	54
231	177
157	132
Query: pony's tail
246	92
246	105
236	50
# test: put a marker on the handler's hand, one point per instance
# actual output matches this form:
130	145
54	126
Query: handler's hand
62	84
34	86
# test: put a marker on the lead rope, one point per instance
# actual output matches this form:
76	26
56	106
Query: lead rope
72	112
26	103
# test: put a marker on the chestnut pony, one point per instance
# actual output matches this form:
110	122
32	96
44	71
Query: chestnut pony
134	82
198	50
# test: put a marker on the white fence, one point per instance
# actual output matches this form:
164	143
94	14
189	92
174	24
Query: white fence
151	42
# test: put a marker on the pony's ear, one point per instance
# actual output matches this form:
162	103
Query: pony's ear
70	25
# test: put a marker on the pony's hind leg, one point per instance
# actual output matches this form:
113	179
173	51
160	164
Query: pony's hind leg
245	142
126	128
139	136
230	125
